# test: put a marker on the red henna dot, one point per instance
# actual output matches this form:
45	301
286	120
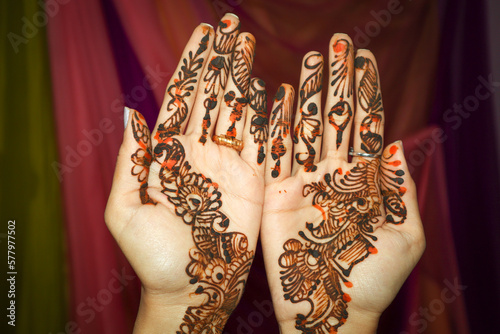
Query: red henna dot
348	284
393	149
339	170
395	163
348	172
346	297
372	250
402	190
339	47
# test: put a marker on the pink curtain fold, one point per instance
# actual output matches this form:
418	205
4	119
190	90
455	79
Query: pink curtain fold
89	129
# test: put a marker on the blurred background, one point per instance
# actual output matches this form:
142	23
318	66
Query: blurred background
67	68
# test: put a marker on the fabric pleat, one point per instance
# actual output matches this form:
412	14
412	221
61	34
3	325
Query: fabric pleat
29	185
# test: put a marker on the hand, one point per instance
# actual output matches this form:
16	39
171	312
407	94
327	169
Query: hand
339	238
185	211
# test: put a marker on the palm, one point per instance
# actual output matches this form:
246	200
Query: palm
339	237
186	211
155	239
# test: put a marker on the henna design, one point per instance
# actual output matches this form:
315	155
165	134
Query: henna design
341	113
315	267
370	100
390	187
308	128
182	87
142	156
220	259
241	68
218	70
280	121
258	127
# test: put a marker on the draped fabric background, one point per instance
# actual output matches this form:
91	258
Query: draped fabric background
63	87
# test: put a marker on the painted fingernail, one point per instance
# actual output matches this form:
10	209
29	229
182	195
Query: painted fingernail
126	114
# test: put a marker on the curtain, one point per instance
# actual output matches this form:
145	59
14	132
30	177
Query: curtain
65	80
30	194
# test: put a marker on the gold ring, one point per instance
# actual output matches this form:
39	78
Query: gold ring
228	141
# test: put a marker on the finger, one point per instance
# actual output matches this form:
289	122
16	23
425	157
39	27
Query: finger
398	190
214	79
369	116
231	118
256	129
130	182
180	93
308	127
279	145
340	100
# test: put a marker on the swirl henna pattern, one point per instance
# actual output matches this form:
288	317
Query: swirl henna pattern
218	70
220	260
142	156
315	267
309	128
258	127
341	113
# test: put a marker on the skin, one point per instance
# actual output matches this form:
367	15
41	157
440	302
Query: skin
379	271
185	211
179	200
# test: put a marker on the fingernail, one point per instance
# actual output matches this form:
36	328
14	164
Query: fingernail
126	114
401	145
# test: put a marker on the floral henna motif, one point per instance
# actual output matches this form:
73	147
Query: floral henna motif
142	156
182	87
341	113
258	127
370	100
280	122
241	68
220	260
308	127
218	70
316	267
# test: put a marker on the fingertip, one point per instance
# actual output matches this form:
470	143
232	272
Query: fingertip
126	116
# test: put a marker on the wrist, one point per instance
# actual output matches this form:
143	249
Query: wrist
163	314
356	323
157	315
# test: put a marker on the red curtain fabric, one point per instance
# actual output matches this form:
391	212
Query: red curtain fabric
105	54
89	130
